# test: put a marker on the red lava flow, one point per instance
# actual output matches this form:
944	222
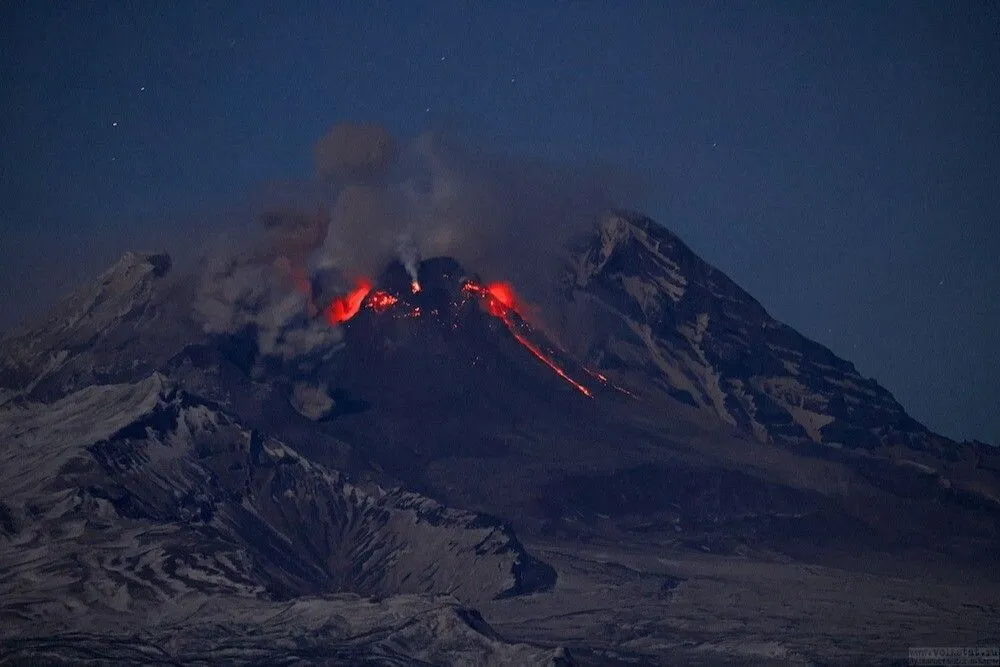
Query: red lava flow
499	298
347	306
501	301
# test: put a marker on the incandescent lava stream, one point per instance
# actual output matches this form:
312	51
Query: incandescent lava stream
499	300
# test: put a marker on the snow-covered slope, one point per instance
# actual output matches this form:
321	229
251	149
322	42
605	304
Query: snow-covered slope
195	492
665	317
118	328
119	496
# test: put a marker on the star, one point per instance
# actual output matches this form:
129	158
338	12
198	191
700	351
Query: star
114	124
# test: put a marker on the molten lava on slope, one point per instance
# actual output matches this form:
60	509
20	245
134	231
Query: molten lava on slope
382	301
346	307
500	301
448	293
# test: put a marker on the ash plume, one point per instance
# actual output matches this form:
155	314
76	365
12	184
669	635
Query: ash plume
254	298
376	199
355	153
265	290
409	256
504	217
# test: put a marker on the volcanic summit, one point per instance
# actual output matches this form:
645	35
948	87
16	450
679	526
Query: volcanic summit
421	465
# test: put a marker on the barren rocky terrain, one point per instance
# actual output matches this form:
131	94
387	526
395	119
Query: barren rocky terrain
644	468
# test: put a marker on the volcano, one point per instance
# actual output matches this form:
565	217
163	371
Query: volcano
456	326
446	371
643	466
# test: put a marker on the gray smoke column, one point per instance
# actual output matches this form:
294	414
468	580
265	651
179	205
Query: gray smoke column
377	200
266	291
409	255
503	217
355	153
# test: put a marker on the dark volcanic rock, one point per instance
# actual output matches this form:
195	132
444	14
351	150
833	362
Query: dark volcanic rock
222	508
227	496
706	341
328	630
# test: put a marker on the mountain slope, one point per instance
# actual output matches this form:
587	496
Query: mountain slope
340	629
119	328
263	469
166	495
705	341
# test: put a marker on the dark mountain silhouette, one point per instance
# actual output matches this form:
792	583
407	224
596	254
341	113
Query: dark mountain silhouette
648	431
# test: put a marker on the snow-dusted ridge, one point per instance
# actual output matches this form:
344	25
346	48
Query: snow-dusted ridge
118	497
177	494
716	347
118	328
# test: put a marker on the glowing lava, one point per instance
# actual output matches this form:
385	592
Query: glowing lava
498	298
501	302
548	361
382	301
347	306
503	294
604	380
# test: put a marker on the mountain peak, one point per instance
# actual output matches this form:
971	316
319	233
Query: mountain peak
157	262
126	284
715	347
92	334
397	438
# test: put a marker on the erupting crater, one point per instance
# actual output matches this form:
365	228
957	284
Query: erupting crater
444	293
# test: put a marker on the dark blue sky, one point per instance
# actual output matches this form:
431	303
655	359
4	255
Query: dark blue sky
840	161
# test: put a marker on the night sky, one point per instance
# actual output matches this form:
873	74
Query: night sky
839	162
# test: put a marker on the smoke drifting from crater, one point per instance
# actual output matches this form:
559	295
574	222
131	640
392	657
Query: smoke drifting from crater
500	216
380	199
355	153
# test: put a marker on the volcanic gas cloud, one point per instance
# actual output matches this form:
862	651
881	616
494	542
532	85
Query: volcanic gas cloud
379	200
